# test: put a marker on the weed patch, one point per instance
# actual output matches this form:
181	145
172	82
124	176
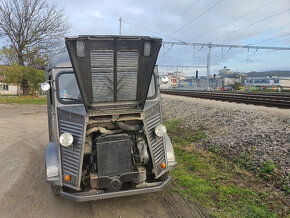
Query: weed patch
268	167
245	159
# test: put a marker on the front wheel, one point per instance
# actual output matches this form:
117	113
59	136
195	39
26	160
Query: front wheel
55	189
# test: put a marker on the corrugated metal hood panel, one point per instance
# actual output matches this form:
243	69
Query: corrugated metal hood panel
113	69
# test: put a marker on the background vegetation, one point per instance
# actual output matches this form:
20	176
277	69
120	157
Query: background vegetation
34	30
22	100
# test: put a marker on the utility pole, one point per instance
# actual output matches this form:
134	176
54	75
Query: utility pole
176	77
208	67
120	30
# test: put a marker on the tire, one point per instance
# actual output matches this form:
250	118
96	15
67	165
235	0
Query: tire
55	190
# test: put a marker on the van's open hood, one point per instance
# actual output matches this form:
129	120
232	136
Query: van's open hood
113	70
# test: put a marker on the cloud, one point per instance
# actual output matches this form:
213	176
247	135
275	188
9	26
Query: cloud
230	22
97	14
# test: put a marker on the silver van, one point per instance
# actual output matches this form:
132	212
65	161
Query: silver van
106	137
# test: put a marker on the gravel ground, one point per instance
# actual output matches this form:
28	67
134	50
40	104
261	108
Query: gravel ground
261	133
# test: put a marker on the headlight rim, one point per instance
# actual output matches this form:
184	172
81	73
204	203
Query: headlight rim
163	130
67	135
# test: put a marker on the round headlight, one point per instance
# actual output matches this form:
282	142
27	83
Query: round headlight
66	139
160	130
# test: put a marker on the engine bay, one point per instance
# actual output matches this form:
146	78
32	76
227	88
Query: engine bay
116	155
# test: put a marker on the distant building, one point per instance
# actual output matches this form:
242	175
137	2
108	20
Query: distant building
7	89
229	77
268	79
232	81
280	74
226	71
176	78
268	82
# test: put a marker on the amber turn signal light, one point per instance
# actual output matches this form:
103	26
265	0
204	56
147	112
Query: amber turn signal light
163	165
67	178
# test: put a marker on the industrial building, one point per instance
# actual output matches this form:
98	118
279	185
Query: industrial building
229	80
268	80
225	80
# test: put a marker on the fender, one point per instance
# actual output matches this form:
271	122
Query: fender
52	165
170	153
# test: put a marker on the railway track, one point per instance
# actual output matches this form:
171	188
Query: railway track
280	100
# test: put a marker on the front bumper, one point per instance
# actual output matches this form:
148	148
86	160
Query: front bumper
86	196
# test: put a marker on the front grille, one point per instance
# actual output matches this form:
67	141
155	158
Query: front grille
156	142
102	63
153	119
71	157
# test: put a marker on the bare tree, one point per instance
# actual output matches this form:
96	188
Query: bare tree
33	27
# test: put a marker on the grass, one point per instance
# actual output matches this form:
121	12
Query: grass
206	178
22	100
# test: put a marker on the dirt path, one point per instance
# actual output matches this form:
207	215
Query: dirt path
24	192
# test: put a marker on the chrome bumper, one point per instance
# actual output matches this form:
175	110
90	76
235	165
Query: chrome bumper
85	196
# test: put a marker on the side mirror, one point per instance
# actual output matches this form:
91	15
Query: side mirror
164	79
45	86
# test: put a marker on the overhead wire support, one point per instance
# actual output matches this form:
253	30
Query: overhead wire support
212	45
197	44
185	66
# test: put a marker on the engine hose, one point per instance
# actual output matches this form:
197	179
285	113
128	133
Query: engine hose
128	127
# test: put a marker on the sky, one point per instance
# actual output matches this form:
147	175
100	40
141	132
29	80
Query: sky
245	22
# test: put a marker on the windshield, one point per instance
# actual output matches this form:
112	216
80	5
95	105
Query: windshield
152	88
68	90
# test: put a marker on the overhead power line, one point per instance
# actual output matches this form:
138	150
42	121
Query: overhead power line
144	28
271	39
237	18
149	30
170	37
180	15
252	24
195	18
